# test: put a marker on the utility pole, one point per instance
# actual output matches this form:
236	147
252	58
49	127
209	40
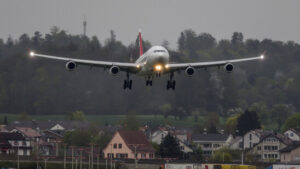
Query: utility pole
65	154
18	157
81	159
135	156
92	156
45	160
98	161
72	157
110	156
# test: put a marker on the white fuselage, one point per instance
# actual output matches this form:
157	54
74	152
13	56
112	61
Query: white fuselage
153	61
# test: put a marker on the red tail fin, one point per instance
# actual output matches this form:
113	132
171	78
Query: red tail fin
141	43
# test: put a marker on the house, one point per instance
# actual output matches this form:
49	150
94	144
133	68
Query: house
253	137
129	145
29	133
236	143
290	153
210	143
292	134
181	136
267	149
14	143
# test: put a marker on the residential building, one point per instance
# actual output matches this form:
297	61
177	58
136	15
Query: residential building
14	143
28	133
267	149
129	145
290	153
236	143
182	137
210	143
253	137
292	134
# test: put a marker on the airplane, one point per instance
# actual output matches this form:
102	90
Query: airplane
153	63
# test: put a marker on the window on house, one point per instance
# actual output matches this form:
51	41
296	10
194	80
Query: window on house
216	145
143	155
266	155
258	147
151	155
120	145
115	145
250	136
250	144
292	134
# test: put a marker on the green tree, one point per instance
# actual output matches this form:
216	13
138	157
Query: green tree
130	122
248	121
197	155
279	114
293	122
23	116
231	124
77	116
222	156
169	147
77	138
165	109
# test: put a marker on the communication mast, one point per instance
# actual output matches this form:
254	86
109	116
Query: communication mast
84	26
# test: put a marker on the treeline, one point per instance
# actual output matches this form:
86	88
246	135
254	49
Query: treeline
39	86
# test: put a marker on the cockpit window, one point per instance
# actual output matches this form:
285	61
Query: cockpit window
162	51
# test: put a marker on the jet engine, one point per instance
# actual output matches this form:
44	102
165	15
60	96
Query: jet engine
228	67
190	71
71	65
114	70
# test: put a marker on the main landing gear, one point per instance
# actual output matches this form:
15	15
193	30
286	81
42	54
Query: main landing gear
171	83
127	83
148	81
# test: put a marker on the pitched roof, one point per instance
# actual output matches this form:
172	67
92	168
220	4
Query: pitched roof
210	137
28	132
136	140
290	147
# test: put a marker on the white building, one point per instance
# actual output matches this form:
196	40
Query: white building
292	134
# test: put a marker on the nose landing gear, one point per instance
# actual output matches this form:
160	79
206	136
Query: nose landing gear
148	81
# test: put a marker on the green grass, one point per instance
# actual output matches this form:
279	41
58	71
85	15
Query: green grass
117	119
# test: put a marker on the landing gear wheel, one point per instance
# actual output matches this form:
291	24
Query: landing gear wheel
130	84
173	84
127	83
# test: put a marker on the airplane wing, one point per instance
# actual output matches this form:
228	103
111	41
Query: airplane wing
182	66
130	67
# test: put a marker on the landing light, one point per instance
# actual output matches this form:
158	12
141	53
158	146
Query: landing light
31	54
262	56
138	66
158	67
166	66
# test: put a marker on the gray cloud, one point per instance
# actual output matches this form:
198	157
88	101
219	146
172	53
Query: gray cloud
159	19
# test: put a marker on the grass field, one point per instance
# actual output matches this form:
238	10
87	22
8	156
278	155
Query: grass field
116	119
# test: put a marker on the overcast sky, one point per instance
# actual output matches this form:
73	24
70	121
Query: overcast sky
159	19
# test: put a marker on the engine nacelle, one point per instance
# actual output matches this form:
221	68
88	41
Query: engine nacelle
71	65
190	71
228	67
114	70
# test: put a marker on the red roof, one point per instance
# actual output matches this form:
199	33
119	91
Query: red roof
136	140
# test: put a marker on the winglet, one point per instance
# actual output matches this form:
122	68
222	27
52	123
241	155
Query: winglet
262	56
140	43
